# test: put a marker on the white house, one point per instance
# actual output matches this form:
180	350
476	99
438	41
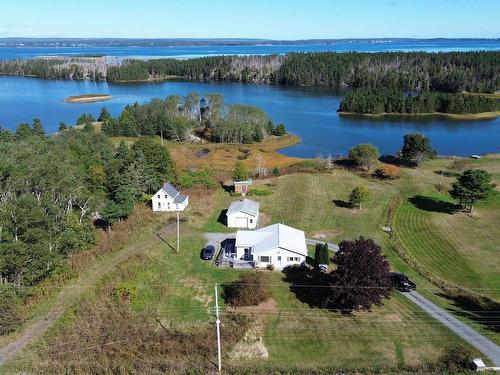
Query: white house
169	199
243	214
277	244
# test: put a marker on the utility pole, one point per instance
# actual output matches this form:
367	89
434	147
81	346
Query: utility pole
178	232
217	321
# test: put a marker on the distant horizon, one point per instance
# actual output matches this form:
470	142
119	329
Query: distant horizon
244	38
259	19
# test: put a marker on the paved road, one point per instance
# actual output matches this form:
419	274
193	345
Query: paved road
481	343
331	246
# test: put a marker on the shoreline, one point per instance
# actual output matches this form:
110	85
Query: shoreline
88	98
451	116
151	79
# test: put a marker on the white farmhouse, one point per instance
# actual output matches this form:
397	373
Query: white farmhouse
243	214
169	199
278	245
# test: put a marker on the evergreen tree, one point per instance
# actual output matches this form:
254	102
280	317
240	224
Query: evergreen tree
104	115
37	126
62	126
240	172
471	186
358	196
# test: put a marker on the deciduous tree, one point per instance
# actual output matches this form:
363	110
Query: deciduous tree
362	277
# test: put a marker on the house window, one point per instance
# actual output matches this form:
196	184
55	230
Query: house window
159	205
176	206
279	258
293	259
159	196
251	221
265	259
166	196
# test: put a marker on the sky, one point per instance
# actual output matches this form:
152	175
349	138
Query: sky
269	19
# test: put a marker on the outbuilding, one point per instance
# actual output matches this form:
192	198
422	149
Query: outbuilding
243	214
242	187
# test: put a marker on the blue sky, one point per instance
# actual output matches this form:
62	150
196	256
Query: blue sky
276	19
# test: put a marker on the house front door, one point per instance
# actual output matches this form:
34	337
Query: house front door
247	255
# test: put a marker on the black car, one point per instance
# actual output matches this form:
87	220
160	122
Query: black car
208	252
402	283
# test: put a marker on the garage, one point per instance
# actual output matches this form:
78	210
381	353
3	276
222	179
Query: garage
241	222
243	214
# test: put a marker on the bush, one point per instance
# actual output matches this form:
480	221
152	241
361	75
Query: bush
276	172
250	289
190	179
259	192
10	311
364	155
388	172
456	358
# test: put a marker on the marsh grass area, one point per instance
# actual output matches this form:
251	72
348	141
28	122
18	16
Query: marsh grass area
156	297
88	98
221	157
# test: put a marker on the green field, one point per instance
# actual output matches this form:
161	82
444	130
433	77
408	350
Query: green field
456	246
177	288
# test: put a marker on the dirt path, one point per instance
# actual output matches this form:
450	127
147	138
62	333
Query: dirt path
69	295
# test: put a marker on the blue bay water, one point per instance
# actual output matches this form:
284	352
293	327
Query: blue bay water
308	112
443	45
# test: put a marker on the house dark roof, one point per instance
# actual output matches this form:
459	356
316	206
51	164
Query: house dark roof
172	192
179	198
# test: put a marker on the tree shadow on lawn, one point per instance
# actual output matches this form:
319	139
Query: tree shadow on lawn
489	318
304	283
341	203
433	205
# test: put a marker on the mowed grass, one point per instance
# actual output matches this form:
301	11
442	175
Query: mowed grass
317	204
456	246
391	335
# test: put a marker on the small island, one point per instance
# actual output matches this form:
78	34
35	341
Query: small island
88	98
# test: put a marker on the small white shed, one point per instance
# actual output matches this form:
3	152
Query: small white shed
243	214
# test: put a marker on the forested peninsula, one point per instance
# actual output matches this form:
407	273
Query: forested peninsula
446	72
382	101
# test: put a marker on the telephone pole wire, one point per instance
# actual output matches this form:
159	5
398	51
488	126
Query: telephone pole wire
217	321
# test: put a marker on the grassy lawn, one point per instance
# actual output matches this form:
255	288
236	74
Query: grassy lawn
179	287
456	246
317	204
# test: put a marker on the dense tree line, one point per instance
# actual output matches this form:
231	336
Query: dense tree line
54	189
376	100
182	118
445	71
74	68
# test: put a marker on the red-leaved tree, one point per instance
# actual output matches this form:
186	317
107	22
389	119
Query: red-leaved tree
362	276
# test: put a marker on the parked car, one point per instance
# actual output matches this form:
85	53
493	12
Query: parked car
208	253
402	283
